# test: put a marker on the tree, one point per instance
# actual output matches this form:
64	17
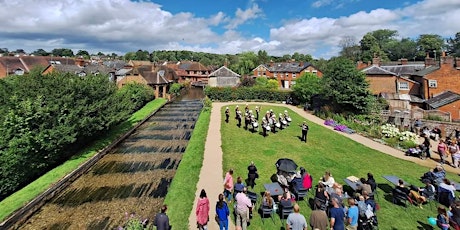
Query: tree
246	63
62	52
142	55
262	57
404	48
306	86
429	43
272	84
247	81
453	45
350	48
83	53
370	48
40	52
346	86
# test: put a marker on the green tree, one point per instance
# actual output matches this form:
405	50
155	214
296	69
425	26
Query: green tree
350	48
370	47
272	84
246	63
404	48
262	57
453	45
40	52
306	86
62	52
346	86
429	43
83	53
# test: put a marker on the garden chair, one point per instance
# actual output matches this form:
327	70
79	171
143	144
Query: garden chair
285	211
266	210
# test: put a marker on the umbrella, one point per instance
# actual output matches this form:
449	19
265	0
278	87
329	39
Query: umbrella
287	165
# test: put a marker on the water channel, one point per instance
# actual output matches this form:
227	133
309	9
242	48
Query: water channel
133	178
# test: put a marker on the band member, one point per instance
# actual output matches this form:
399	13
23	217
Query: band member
267	116
264	126
257	112
238	118
304	131
237	109
287	117
272	113
274	123
247	119
227	114
254	123
282	121
246	109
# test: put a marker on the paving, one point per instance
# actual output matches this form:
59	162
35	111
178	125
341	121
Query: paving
211	175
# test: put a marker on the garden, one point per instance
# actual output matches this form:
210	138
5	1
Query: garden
325	150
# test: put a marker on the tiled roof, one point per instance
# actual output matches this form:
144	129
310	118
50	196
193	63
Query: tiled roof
290	67
404	97
224	72
155	78
195	66
404	69
377	70
89	69
426	71
12	64
117	64
442	99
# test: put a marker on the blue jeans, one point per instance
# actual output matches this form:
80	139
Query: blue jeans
228	194
223	224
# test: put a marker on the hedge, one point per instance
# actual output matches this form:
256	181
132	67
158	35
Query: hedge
245	93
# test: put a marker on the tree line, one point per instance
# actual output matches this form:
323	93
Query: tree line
46	119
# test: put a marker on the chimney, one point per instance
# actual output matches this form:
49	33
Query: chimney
301	64
272	63
447	60
361	65
403	61
429	61
376	61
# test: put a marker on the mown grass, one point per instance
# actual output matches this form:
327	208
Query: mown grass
325	150
181	193
29	192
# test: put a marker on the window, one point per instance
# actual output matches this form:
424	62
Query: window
432	83
287	74
275	75
292	82
315	72
403	85
294	75
258	73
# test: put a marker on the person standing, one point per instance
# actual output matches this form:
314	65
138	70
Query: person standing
352	215
305	129
442	151
222	213
295	220
227	114
228	185
161	220
202	211
238	118
427	144
257	112
264	127
318	217
337	215
243	204
252	175
417	126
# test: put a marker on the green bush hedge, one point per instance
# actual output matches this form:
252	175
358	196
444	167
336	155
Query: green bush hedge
245	93
45	119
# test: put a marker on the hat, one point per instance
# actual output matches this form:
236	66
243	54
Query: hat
281	114
257	107
226	108
271	110
236	106
285	111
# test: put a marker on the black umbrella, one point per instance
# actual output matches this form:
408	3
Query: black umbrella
287	165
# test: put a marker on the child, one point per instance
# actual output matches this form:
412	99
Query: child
442	219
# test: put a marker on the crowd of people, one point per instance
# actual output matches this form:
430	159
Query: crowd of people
270	122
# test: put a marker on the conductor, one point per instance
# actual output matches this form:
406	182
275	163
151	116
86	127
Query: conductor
304	131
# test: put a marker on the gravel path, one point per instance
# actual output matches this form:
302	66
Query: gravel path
211	175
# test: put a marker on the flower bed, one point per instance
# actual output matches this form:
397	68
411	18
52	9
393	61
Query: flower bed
338	127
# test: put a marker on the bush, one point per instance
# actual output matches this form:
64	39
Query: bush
245	93
175	88
44	119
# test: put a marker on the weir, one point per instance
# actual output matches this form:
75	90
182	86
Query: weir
132	178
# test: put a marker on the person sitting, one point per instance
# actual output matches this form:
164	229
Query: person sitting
268	201
307	179
285	201
338	194
296	183
436	133
400	192
447	185
327	179
421	195
435	175
455	210
286	194
321	195
364	187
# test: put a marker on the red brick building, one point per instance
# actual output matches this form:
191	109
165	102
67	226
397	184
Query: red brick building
285	72
21	65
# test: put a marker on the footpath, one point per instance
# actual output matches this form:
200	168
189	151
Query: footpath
211	175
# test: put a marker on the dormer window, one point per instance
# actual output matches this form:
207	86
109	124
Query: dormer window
19	71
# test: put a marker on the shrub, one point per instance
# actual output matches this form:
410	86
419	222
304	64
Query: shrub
175	88
245	93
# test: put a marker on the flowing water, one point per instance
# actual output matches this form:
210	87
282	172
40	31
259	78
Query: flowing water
133	178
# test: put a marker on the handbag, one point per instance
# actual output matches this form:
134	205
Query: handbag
216	217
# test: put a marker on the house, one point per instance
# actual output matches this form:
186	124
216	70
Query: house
21	65
223	77
81	71
285	72
447	101
193	72
436	79
159	78
383	80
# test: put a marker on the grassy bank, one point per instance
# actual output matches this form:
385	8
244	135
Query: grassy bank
181	194
325	150
26	194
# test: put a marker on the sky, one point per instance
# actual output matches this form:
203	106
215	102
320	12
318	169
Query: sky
279	27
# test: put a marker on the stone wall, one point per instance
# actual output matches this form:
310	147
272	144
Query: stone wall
447	128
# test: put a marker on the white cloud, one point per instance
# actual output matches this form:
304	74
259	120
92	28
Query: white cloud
241	16
321	3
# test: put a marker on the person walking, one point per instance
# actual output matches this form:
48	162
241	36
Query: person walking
295	220
202	211
228	185
222	213
252	175
227	114
304	131
442	151
161	220
243	204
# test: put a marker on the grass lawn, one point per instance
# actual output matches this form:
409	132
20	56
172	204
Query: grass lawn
26	194
181	194
325	150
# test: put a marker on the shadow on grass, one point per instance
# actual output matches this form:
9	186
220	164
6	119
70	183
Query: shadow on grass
385	188
424	226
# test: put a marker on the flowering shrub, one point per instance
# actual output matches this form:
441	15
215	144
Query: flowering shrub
134	223
408	136
330	122
389	130
341	128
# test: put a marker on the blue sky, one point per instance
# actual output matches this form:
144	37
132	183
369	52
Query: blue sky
220	26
